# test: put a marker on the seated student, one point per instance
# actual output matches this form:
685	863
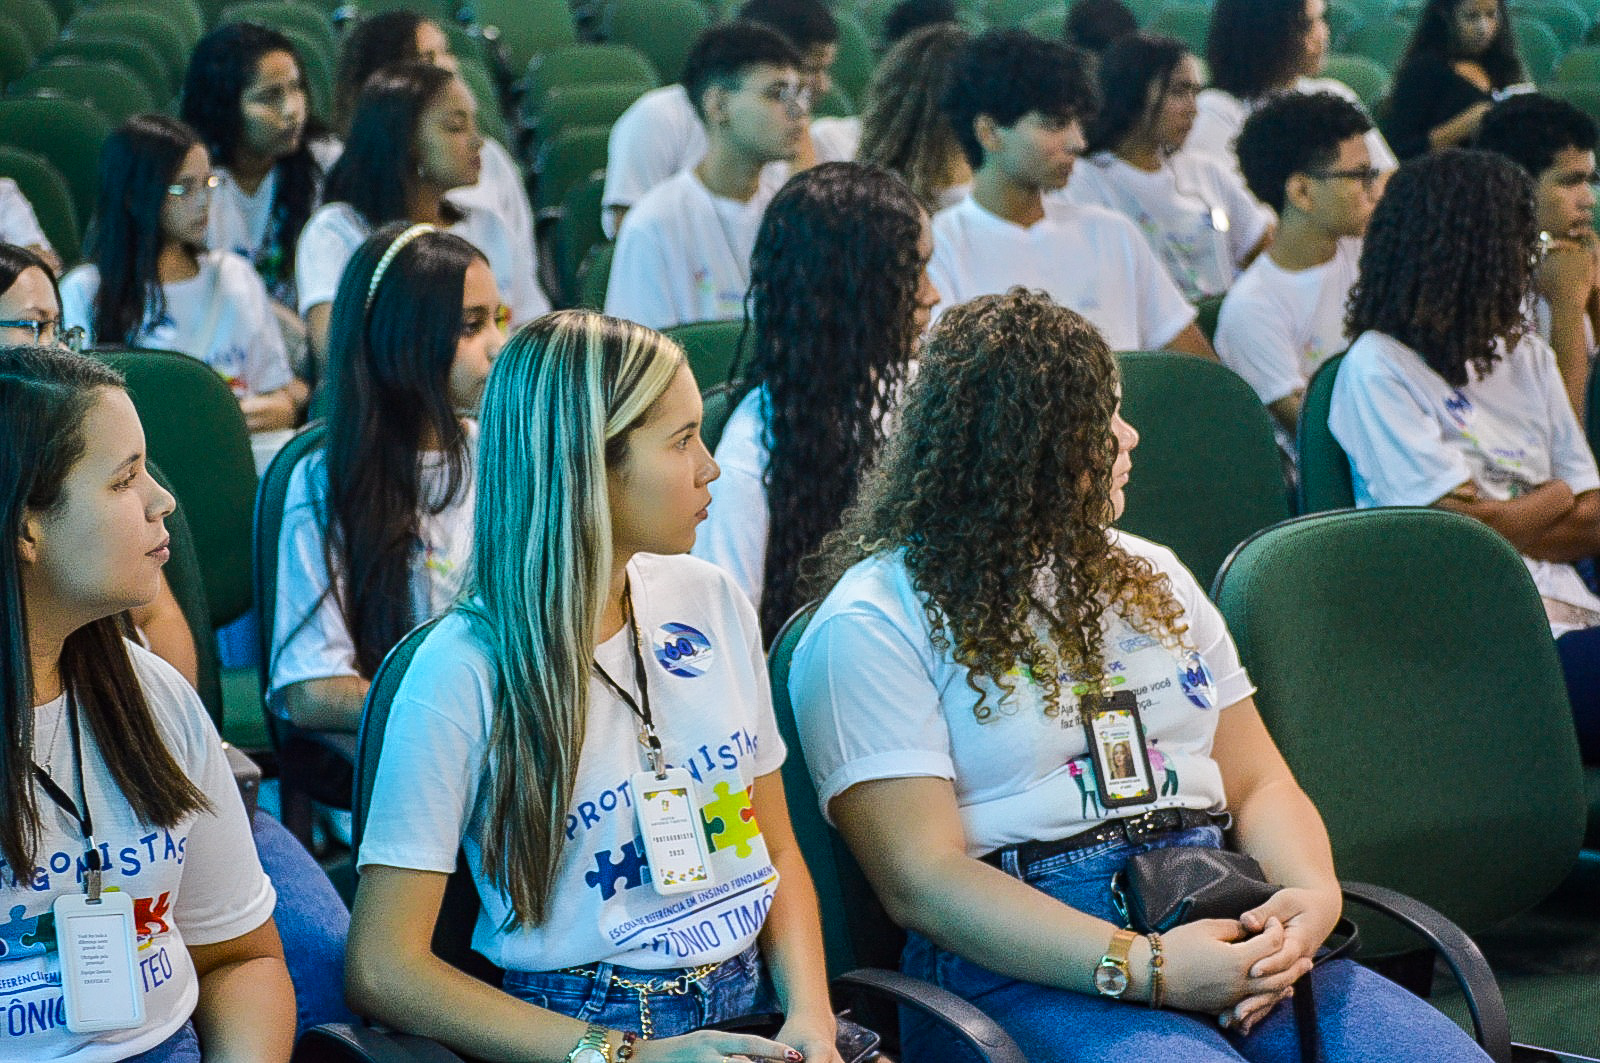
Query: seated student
1447	399
1192	208
81	540
539	695
933	697
377	528
1095	25
903	127
245	95
683	254
663	132
1017	104
152	283
839	297
1461	56
414	137
19	226
1555	142
1304	155
1256	49
388	36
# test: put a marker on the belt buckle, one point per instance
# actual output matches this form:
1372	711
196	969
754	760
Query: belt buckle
1140	829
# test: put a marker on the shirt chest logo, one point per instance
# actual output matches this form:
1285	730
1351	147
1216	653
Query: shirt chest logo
682	650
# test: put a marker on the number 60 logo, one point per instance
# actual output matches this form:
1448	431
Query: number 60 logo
683	650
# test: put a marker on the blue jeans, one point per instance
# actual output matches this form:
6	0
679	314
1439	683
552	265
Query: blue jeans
1363	1018
181	1047
738	987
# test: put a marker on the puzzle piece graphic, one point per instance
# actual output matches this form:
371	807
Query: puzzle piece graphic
734	817
713	827
23	937
45	935
634	870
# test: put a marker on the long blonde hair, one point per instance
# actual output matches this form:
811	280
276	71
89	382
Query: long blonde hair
557	409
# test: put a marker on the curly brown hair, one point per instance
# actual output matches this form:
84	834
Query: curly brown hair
997	487
902	127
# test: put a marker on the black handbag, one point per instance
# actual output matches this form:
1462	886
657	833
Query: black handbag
1164	888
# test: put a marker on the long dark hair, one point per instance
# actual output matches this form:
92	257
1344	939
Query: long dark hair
1127	71
15	260
1435	37
833	290
1447	263
390	368
221	68
45	394
1254	46
379	161
374	42
140	159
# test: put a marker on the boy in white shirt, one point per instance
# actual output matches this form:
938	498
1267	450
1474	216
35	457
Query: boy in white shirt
662	132
1555	142
1306	156
683	254
1016	103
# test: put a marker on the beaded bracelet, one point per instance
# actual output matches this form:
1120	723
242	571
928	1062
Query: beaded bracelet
625	1052
1158	978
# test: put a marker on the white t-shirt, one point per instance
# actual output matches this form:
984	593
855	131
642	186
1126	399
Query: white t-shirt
660	134
684	254
220	316
707	681
1088	258
1195	211
242	223
875	700
334	232
734	534
18	224
1222	114
198	883
321	647
1412	438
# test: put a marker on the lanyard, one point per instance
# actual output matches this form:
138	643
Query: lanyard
647	735
79	811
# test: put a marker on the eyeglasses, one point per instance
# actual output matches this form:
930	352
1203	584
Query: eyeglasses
191	186
789	94
49	333
476	323
1367	175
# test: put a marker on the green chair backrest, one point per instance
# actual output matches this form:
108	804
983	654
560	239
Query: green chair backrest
664	30
194	428
1011	14
566	159
1565	21
1381	39
576	232
587	64
712	347
1581	65
189	591
136	55
719	402
1366	78
1326	481
287	14
1342	21
184	15
528	27
1206	474
265	531
36	19
151	27
67	133
856	59
1540	48
50	198
571	106
106	85
1189	22
1404	665
1208	309
1584	95
16	51
593	276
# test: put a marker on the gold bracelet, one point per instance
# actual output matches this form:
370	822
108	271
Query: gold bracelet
1158	978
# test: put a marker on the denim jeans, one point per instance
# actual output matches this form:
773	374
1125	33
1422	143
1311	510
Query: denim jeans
1362	1017
738	987
181	1047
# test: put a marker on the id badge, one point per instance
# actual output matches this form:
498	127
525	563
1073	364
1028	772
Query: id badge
1115	734
99	969
668	809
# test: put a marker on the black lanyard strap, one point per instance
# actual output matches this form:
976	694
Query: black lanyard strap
640	707
79	811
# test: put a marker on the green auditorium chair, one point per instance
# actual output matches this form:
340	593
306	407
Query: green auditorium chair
1585	96
157	30
713	348
1367	79
108	87
1011	14
527	27
1540	48
718	403
287	15
1207	472
184	15
567	159
16	51
1342	21
136	55
1048	23
189	591
50	198
853	66
1325	477
1206	311
664	30
63	9
1404	666
67	133
1381	39
37	20
569	106
1189	22
1580	66
1566	21
572	235
594	275
586	64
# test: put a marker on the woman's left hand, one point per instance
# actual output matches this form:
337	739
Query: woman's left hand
1308	917
812	1036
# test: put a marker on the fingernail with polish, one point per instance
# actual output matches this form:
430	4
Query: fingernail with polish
792	1056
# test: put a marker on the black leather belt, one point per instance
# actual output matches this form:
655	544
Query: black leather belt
1131	829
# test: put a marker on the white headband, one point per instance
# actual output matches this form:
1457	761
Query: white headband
388	256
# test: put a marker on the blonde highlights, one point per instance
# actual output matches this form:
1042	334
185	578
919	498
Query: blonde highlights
557	408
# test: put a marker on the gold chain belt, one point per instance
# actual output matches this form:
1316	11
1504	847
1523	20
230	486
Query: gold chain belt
672	987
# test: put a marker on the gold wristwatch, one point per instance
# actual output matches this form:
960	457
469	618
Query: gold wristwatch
1111	973
594	1048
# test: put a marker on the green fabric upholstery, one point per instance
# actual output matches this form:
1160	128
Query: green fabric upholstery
50	198
1380	38
664	30
1366	78
1404	665
587	64
106	85
1540	48
574	233
1579	66
856	58
1566	22
1325	477
593	275
528	27
718	405
1188	22
194	428
1011	14
1207	310
189	591
155	29
137	56
711	346
287	15
67	133
1206	473
566	159
568	106
16	51
36	19
184	15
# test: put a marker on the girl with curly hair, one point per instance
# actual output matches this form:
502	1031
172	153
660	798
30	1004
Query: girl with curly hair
1449	398
902	127
982	609
1462	53
839	295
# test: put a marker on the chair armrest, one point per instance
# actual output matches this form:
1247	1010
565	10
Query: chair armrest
971	1026
1471	970
341	1042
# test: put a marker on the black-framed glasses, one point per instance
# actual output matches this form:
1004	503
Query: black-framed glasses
1367	175
191	186
49	333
